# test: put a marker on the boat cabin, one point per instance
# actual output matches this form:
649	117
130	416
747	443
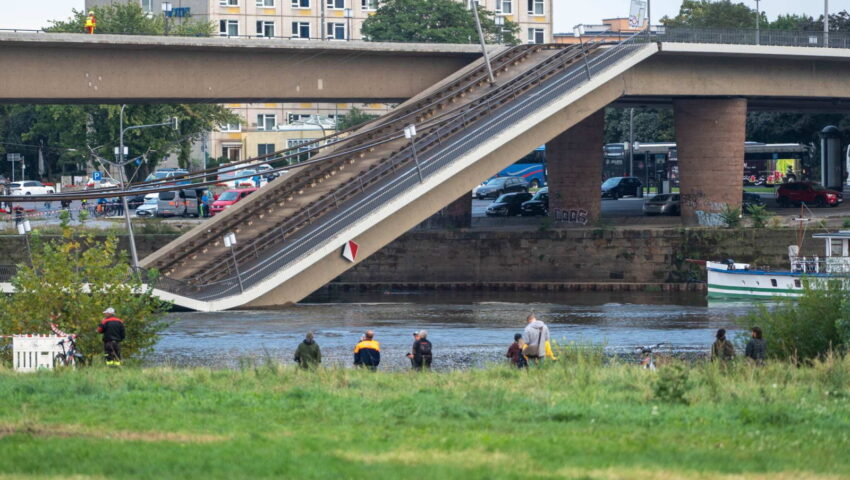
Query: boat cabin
836	259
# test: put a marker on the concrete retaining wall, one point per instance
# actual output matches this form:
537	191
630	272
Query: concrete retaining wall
647	255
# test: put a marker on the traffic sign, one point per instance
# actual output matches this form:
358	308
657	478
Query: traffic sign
14	157
96	176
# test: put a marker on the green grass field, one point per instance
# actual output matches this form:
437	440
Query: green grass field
575	419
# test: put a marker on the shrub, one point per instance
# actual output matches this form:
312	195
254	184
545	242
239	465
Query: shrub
759	215
671	385
731	216
70	282
845	223
806	328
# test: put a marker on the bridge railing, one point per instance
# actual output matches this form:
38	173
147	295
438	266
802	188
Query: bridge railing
738	36
440	149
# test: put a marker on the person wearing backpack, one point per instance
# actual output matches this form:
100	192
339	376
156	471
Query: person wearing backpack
422	355
722	349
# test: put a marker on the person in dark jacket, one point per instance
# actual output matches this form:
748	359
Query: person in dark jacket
722	349
422	355
515	352
367	352
756	349
412	348
112	329
308	354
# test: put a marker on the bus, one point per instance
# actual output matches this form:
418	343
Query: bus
764	163
531	167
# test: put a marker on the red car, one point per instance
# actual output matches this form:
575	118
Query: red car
229	197
795	193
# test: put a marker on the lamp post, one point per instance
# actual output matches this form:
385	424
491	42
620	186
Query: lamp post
24	228
410	134
122	153
474	6
166	12
230	242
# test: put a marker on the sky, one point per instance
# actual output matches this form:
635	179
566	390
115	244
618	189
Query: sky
35	13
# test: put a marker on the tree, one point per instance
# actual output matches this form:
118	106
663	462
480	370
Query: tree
71	281
713	14
434	21
353	118
650	125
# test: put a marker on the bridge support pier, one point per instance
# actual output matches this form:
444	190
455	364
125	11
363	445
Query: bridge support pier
575	170
710	135
458	214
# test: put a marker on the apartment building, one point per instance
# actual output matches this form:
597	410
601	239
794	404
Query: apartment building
318	20
615	29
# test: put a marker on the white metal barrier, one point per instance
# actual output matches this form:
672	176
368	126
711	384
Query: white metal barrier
34	352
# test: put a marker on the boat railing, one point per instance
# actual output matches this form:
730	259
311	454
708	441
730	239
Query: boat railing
828	265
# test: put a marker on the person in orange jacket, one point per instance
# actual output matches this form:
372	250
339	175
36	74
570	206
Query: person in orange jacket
112	329
91	23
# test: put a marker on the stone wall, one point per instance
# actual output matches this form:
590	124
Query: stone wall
569	255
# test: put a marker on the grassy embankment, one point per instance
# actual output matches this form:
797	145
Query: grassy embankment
573	420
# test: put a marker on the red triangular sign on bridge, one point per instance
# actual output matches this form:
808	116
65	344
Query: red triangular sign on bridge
349	252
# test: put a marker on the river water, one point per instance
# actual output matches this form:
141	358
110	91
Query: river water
466	329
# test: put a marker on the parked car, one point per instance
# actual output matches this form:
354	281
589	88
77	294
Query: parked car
495	187
538	205
795	193
105	183
616	187
230	197
180	202
149	206
749	200
664	204
167	173
507	205
29	187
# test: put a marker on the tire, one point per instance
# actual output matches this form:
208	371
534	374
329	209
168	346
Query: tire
616	195
59	361
782	201
28	193
821	202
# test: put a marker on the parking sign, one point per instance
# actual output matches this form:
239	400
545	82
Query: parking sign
96	176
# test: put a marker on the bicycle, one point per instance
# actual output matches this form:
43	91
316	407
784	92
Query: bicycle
649	350
70	357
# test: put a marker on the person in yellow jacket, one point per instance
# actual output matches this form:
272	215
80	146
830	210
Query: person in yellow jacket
91	23
536	342
367	353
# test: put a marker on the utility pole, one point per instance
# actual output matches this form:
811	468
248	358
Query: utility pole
758	23
648	21
631	142
825	23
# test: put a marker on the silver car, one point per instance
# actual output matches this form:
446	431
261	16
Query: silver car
665	204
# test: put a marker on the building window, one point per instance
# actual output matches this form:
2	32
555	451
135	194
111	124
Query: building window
302	144
265	3
147	6
300	30
228	3
266	121
300	3
265	28
336	31
297	117
535	7
265	149
535	35
505	7
228	28
339	4
230	127
368	4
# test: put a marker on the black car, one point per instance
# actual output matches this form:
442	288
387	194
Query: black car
750	199
616	187
135	201
507	205
538	205
495	187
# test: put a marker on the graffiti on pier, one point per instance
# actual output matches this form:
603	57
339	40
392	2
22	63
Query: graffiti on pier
710	219
707	212
571	215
